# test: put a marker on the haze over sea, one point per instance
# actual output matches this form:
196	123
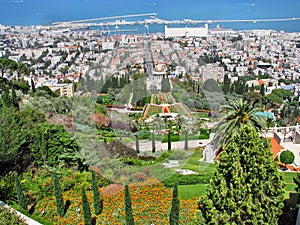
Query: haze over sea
44	12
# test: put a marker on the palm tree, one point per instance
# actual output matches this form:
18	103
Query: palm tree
237	114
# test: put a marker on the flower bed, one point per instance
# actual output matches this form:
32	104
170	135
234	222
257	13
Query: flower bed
151	202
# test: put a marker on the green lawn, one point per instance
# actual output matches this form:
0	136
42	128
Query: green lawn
153	111
191	191
288	178
200	167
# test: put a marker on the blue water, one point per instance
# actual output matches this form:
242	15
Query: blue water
42	12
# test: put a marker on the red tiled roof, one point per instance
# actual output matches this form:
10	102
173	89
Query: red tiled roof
275	147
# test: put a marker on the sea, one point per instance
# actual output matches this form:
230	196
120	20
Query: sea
45	12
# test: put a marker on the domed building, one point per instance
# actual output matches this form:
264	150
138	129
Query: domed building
159	70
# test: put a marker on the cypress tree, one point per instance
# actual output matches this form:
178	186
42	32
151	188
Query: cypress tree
137	145
153	143
60	207
174	213
186	140
20	195
96	194
86	209
14	99
128	207
33	86
247	187
169	140
262	90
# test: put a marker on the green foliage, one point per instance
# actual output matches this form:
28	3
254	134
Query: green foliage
297	182
21	197
131	161
54	146
13	137
137	144
191	191
238	113
178	155
247	187
165	85
175	208
9	218
287	157
262	90
252	96
128	207
163	156
60	207
7	188
153	142
275	99
211	85
47	90
181	179
96	193
86	209
186	140
169	140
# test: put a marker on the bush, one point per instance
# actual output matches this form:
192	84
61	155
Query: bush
287	157
131	161
9	218
163	156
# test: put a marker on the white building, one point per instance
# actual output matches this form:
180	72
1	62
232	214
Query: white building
187	31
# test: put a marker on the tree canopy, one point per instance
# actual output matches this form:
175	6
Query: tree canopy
237	114
247	187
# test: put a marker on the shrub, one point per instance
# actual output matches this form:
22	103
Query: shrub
131	161
178	154
9	218
287	157
187	179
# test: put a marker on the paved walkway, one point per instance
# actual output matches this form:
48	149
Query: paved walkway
178	145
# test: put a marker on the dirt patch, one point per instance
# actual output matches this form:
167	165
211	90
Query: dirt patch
112	189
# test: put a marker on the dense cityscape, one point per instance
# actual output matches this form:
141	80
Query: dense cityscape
190	126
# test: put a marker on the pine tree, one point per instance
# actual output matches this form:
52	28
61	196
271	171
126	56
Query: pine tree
175	209
96	193
153	143
60	207
21	197
247	187
128	207
86	209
